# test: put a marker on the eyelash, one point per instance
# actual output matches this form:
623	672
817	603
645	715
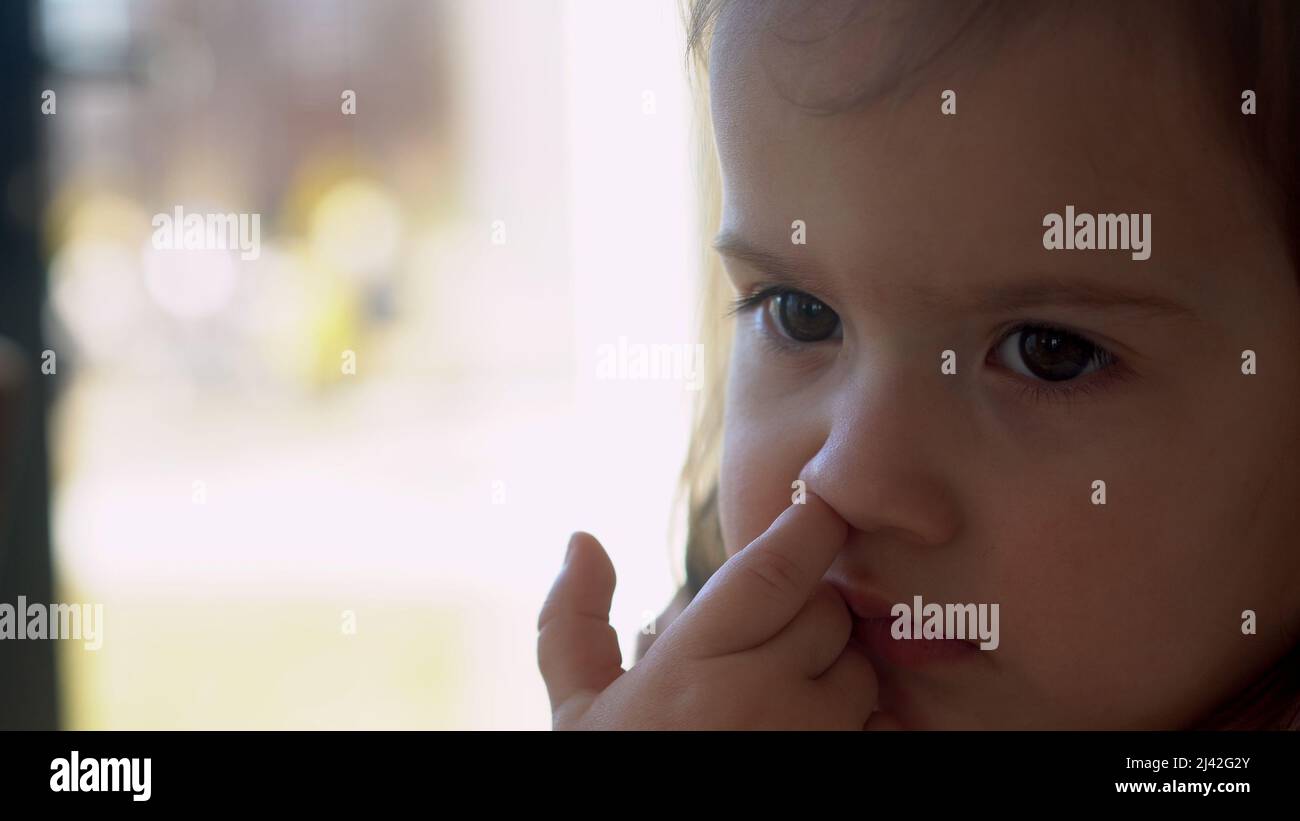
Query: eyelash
776	343
742	304
1112	368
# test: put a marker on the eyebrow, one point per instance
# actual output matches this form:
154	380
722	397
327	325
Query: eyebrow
807	276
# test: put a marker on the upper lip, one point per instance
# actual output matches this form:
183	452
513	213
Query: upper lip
864	603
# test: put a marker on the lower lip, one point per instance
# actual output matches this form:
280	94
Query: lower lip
875	637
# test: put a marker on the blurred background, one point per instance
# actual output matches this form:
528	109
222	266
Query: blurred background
329	487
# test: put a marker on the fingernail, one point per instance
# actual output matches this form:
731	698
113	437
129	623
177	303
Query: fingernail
568	553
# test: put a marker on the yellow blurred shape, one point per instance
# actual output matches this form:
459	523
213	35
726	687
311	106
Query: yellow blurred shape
356	227
240	664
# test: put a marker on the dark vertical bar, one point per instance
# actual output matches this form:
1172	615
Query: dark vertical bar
28	695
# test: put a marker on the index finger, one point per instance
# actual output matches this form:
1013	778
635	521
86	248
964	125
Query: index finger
762	588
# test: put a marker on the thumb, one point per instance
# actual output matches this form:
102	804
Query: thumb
577	649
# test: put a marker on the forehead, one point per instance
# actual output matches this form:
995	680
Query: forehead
1060	109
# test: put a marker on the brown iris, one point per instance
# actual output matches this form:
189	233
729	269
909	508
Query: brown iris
1055	355
802	317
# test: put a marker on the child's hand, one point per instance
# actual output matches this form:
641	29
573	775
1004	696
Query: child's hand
765	643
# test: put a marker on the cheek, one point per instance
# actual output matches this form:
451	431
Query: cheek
1148	588
765	446
754	489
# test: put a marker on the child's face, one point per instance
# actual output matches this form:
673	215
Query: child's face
977	487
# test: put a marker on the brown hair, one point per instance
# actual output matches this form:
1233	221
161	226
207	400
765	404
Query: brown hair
1251	44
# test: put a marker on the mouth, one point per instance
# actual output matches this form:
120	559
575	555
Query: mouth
873	633
876	638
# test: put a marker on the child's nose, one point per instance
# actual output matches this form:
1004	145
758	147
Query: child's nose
883	465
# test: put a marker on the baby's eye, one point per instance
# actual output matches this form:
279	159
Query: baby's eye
802	317
1051	354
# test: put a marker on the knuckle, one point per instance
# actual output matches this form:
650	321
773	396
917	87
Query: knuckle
776	574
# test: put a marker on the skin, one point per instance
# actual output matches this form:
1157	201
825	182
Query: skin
977	487
764	645
966	488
